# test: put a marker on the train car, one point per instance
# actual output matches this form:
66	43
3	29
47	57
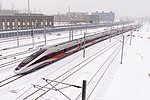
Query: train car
50	54
53	53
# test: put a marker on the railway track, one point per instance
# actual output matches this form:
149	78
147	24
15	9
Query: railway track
99	74
17	54
70	70
16	77
64	76
105	71
10	79
67	76
11	62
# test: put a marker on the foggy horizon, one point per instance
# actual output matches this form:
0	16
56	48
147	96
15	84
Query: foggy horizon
122	8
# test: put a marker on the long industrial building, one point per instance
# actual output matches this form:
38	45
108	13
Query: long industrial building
9	22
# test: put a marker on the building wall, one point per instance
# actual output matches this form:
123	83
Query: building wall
73	17
12	21
76	17
104	16
8	12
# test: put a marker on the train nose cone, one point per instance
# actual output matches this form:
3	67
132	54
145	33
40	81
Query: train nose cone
16	68
16	72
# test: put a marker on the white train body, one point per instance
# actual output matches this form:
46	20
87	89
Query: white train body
55	52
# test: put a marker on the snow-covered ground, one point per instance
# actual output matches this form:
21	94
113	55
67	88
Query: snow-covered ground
132	82
128	81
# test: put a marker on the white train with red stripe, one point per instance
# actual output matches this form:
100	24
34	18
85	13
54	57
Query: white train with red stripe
48	55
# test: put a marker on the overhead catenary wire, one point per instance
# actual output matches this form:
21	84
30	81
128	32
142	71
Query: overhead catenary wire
61	67
47	91
70	70
118	48
125	31
104	72
73	72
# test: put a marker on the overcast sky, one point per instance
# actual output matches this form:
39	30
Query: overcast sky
120	7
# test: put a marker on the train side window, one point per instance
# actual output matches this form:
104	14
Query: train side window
65	50
82	43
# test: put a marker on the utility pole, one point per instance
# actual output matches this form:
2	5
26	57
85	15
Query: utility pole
69	23
32	34
123	27
122	49
84	90
28	7
0	5
45	31
84	46
72	32
34	31
12	9
110	34
17	32
130	37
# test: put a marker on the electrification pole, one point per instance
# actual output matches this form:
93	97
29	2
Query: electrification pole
84	47
130	37
84	90
72	33
123	27
69	27
32	34
17	32
45	31
110	34
28	7
122	49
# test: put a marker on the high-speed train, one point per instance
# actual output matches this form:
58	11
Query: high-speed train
48	55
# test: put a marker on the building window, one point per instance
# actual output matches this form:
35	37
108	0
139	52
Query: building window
8	22
13	22
28	22
46	22
23	22
3	24
50	23
32	23
19	23
41	23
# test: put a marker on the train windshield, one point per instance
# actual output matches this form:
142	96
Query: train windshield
31	57
28	59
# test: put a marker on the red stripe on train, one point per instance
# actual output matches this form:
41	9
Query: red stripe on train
59	55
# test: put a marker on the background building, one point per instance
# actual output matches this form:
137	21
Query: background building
104	16
76	17
70	17
12	19
24	21
8	12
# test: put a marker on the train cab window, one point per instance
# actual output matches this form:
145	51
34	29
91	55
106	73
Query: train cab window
31	57
27	60
36	54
